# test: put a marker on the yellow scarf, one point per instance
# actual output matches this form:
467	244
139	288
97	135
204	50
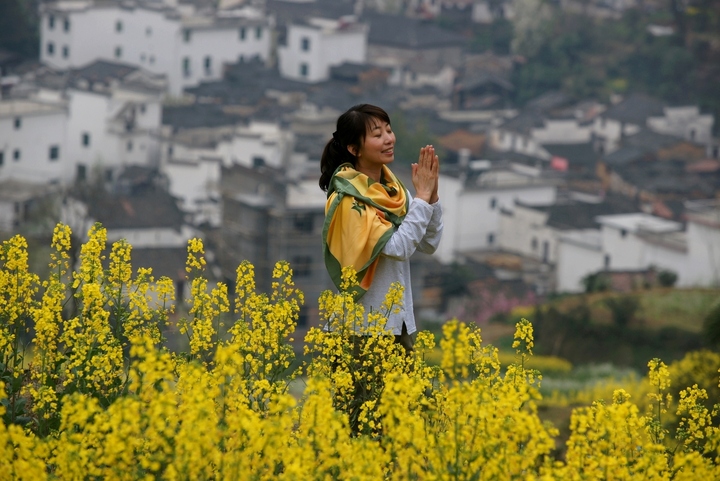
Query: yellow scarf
360	217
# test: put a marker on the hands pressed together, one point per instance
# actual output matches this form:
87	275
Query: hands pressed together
425	175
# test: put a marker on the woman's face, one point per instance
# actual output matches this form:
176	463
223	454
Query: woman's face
378	148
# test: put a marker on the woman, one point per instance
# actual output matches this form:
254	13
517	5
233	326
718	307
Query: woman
371	221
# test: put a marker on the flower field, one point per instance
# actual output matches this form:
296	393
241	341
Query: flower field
90	390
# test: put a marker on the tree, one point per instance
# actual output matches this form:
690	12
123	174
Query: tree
19	27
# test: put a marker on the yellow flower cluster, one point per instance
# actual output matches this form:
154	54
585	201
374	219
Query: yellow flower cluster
105	400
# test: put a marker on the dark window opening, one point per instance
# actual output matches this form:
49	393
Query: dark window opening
86	139
303	222
302	266
54	153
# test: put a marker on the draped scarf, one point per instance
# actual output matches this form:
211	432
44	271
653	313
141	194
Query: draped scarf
360	217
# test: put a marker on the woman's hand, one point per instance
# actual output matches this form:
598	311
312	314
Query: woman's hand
425	175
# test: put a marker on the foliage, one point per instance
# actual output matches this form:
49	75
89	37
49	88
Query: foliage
623	308
19	32
597	282
667	278
711	326
105	399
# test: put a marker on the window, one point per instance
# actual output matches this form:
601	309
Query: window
493	203
534	243
170	151
142	57
208	65
51	22
85	139
17	123
2	157
143	108
65	51
118	52
305	44
623	233
186	66
81	172
50	48
187	34
304	70
303	223
302	266
606	261
16	155
118	26
66	25
152	59
129	145
258	33
303	317
491	238
715	152
243	33
54	153
148	31
258	161
692	134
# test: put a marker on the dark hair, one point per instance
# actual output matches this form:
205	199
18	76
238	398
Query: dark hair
351	128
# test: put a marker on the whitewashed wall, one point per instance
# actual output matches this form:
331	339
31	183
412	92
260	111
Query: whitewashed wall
704	255
41	128
565	131
327	47
150	39
579	254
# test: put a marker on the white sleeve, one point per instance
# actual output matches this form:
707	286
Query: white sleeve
433	233
412	232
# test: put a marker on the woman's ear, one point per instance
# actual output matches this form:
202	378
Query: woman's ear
353	150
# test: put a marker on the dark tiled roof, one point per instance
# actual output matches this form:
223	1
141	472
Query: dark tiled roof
147	209
669	179
524	122
401	31
624	155
548	101
102	71
196	115
576	154
653	141
635	109
291	12
641	145
581	215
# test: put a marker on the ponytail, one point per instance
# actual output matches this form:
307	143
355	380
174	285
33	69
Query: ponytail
333	156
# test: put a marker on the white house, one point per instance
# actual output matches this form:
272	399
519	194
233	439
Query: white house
312	48
115	118
579	253
186	45
703	243
622	119
472	203
192	160
33	140
686	122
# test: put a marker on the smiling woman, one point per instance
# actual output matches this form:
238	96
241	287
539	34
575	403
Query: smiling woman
372	223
